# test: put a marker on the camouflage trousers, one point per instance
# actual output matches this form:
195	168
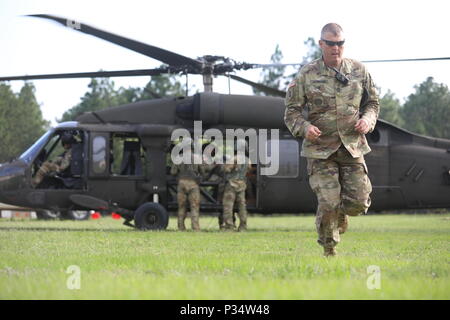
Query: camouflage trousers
234	193
342	187
188	190
46	168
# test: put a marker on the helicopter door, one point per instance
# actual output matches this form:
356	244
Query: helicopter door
124	161
287	190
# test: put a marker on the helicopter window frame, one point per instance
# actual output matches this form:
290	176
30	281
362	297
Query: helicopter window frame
32	152
53	149
288	159
117	143
99	156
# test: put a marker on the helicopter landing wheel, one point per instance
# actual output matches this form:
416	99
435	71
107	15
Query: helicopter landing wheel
151	216
77	215
48	214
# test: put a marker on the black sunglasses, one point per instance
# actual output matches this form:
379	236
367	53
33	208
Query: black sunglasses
334	43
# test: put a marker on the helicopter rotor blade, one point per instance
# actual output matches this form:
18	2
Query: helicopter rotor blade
276	65
97	74
266	89
165	56
247	66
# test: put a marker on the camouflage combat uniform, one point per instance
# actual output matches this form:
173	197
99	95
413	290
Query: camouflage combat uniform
336	167
58	165
235	186
188	190
214	173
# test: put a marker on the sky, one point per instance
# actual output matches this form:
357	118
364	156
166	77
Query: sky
242	30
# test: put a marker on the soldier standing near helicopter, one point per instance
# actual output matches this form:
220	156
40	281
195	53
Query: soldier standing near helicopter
235	185
189	175
342	104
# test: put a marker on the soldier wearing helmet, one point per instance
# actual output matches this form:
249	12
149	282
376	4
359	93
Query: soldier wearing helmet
188	190
58	165
235	172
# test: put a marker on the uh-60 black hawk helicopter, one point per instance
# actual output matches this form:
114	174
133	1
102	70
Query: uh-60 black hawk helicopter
407	170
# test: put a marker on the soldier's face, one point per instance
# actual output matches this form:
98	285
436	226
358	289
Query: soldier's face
332	54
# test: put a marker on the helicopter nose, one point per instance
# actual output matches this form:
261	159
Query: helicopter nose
12	178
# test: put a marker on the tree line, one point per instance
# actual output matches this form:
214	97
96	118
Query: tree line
21	121
426	111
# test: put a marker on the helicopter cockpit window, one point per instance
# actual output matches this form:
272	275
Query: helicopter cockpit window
52	166
288	158
127	155
33	151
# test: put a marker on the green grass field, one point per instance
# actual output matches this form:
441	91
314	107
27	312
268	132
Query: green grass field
278	258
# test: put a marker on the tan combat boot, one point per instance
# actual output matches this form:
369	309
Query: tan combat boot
195	222
242	219
242	226
342	223
181	219
329	252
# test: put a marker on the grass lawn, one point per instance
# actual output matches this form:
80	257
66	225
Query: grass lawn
278	258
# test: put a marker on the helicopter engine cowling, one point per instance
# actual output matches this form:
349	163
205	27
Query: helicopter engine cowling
239	110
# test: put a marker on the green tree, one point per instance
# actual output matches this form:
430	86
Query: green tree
272	76
21	121
391	108
427	111
162	86
314	52
102	94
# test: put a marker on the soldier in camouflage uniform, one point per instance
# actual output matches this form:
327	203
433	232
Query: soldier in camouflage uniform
341	104
188	190
213	173
235	186
58	165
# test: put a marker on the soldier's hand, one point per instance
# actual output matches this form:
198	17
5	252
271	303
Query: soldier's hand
362	126
312	133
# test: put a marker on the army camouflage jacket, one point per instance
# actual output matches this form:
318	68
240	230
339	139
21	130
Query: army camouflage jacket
62	162
187	171
316	97
235	171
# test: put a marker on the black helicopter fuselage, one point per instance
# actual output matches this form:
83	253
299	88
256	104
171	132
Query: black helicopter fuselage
121	158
